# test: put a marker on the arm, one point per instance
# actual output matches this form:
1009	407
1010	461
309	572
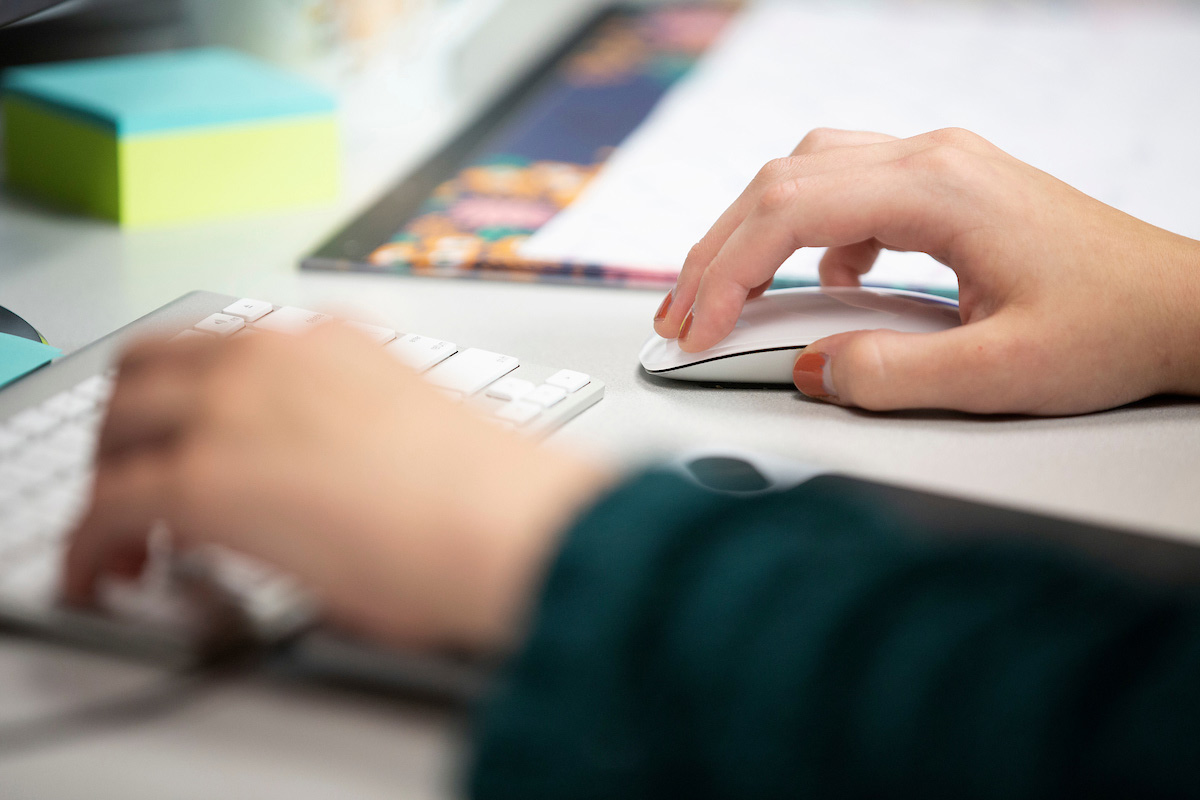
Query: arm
692	646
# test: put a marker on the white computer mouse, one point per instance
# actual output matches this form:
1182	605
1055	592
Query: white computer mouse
776	327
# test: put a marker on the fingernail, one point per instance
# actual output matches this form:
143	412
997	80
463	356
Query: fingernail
686	328
813	377
661	314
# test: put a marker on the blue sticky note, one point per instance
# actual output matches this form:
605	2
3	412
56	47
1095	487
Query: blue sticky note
19	357
161	92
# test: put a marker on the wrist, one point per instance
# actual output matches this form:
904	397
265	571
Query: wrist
1180	359
542	495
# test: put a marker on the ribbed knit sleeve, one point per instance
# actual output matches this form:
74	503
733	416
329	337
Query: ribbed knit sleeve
691	645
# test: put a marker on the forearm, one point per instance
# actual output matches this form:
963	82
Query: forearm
691	646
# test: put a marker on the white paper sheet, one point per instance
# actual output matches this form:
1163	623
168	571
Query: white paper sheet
1107	100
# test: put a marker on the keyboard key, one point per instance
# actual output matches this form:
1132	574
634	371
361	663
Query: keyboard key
23	527
40	462
546	395
421	352
98	388
16	479
15	475
509	389
290	319
57	508
9	439
34	422
518	412
72	443
375	333
221	324
471	370
569	379
248	309
8	493
67	404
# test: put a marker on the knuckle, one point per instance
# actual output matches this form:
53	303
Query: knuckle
778	197
863	376
818	139
955	137
938	159
774	171
697	251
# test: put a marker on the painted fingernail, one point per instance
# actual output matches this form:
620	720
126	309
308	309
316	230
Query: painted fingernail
812	375
686	328
665	307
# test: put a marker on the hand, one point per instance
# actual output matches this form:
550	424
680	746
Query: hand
1069	305
413	519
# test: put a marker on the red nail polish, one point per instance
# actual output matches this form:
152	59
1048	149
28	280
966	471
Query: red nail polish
810	375
686	328
665	307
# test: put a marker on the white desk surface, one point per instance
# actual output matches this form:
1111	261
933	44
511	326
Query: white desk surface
77	280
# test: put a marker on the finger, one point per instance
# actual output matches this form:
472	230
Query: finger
148	409
126	502
149	355
887	201
842	266
979	368
778	177
846	264
870	149
821	139
758	290
155	388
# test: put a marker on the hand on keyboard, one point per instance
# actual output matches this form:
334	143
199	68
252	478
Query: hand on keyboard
413	518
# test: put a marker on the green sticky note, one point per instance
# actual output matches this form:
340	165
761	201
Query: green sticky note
19	357
165	138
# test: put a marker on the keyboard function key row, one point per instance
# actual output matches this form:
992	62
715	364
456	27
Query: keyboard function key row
221	324
422	352
249	310
375	333
468	373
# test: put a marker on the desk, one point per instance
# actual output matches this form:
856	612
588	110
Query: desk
254	737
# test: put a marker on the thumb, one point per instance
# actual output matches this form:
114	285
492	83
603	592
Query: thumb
973	368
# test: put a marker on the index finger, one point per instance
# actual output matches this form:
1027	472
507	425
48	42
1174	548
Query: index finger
884	201
822	150
126	501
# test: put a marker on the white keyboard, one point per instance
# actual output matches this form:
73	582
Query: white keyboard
45	472
46	452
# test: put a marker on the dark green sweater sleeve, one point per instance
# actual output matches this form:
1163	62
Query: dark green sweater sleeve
690	645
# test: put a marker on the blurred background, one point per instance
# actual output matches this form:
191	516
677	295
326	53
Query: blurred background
336	42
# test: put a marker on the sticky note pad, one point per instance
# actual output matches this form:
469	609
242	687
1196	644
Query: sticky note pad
169	137
19	357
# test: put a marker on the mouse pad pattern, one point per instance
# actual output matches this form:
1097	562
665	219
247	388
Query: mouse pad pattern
537	162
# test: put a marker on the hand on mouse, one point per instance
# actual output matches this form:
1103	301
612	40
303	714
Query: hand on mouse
413	519
1069	305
